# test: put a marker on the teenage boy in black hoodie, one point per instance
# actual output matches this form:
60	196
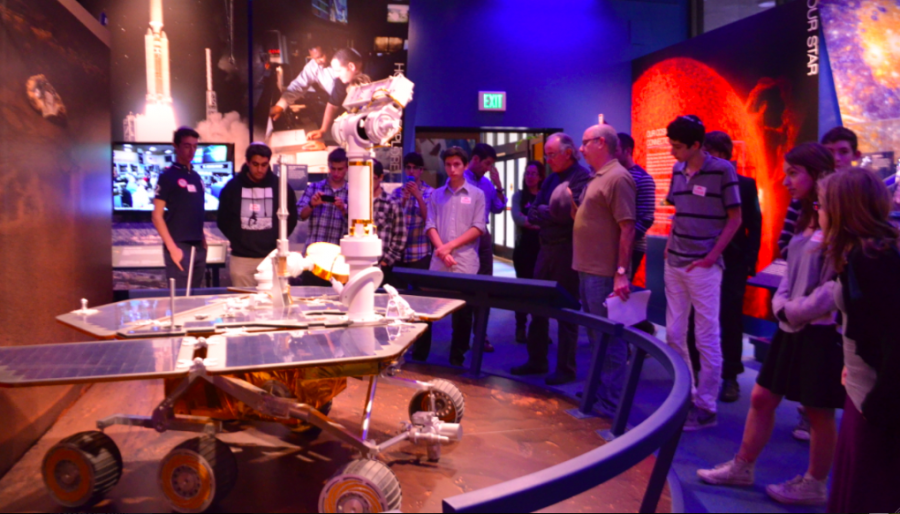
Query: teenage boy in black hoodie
248	214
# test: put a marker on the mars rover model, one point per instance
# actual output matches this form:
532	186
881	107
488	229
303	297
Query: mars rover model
277	354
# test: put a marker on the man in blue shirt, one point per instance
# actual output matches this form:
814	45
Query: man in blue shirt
179	210
483	158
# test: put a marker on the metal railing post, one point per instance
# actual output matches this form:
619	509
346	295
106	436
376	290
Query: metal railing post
661	471
481	319
623	411
593	379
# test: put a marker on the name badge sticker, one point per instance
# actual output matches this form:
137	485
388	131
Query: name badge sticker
466	200
182	182
191	188
699	191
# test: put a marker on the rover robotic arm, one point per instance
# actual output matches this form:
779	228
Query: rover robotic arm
373	118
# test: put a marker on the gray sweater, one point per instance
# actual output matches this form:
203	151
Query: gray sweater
806	292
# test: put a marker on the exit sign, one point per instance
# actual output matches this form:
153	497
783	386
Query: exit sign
492	100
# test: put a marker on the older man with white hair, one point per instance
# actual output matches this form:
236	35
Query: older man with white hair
603	242
551	211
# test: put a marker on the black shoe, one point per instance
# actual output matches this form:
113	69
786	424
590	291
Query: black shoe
521	336
457	361
488	347
558	378
731	391
529	369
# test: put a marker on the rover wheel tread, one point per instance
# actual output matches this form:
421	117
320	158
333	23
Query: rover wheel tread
450	402
210	461
80	470
362	486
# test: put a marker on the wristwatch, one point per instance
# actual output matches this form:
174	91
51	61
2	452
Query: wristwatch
621	271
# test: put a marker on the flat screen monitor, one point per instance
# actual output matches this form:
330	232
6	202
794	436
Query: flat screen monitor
137	166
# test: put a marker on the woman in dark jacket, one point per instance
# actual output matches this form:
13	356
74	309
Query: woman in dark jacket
527	242
862	245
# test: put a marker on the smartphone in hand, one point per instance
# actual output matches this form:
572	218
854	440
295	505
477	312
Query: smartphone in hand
327	198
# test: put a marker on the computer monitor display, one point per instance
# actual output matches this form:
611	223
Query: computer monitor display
137	166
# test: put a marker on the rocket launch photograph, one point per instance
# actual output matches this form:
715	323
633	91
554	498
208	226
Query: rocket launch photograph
179	63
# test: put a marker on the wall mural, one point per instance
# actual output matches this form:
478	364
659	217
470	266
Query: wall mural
861	36
762	91
177	63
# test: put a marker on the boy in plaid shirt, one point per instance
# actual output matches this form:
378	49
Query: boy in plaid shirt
324	204
390	222
413	198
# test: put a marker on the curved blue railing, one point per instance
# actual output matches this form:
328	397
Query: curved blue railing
661	431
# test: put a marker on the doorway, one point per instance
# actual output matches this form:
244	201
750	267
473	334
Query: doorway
514	147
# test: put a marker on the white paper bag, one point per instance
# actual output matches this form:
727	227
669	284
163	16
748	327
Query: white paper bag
631	312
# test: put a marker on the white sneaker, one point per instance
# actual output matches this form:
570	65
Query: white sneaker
734	472
802	490
801	432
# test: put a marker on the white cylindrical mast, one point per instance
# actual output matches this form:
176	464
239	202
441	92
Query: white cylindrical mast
208	69
156	15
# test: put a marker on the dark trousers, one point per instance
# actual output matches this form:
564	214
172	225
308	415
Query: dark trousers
731	321
467	317
422	346
554	263
181	277
865	466
524	260
388	272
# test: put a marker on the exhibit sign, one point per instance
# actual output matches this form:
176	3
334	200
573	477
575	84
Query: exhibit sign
492	101
751	80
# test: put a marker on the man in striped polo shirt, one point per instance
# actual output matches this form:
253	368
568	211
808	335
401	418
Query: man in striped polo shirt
707	200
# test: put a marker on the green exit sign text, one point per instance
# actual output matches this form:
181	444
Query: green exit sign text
491	100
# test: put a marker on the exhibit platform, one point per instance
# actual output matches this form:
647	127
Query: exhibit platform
512	429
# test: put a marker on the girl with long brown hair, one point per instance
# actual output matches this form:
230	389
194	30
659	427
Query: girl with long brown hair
862	246
805	360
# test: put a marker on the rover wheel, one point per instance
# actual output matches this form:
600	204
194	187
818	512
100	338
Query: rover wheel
362	486
197	473
450	405
80	470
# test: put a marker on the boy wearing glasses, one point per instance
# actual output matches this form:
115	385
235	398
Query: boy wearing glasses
706	195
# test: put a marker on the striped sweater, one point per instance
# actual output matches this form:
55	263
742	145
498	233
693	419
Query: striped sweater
790	227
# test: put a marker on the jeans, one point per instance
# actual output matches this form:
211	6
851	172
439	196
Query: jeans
701	289
594	292
555	263
181	277
731	319
463	319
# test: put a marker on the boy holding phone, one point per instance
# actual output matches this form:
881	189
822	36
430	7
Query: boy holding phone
455	223
324	204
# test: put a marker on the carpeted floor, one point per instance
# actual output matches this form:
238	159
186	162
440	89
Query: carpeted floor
783	459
